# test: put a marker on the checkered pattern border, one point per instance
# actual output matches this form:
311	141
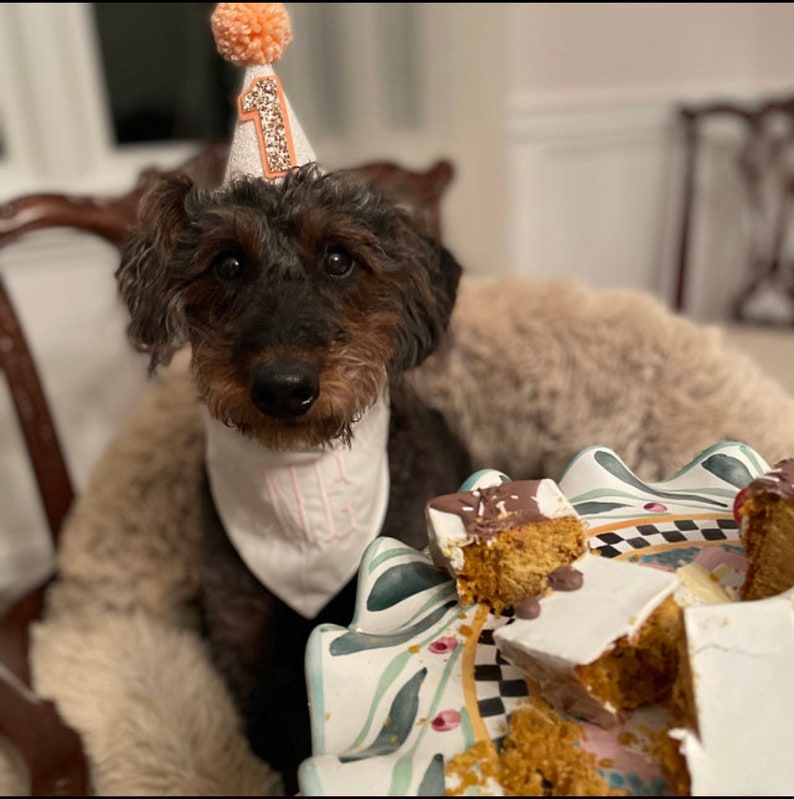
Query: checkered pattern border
500	687
618	542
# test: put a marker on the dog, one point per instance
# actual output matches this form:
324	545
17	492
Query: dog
306	304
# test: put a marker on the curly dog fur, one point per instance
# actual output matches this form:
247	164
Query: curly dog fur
300	301
538	370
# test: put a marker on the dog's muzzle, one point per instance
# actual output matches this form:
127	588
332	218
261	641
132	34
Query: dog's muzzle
285	390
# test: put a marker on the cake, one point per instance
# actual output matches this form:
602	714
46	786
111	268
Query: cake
504	541
738	725
540	756
604	650
765	512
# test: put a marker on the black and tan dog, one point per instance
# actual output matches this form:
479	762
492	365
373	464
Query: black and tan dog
304	302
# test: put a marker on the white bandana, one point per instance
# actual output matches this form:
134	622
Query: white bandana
301	519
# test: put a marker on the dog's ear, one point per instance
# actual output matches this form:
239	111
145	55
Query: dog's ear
428	307
156	320
445	278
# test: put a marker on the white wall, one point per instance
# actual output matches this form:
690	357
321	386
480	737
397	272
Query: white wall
672	47
595	149
453	66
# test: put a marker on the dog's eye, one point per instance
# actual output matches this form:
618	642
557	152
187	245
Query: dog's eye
227	267
338	262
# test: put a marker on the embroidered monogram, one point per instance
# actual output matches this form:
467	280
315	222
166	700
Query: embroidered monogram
287	489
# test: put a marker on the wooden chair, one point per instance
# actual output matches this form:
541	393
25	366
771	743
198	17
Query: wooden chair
53	752
766	167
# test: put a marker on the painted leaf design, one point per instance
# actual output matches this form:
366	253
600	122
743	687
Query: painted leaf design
729	469
589	508
616	468
398	724
432	783
354	641
401	581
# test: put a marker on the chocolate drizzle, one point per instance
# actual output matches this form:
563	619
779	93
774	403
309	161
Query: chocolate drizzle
528	608
487	511
563	578
566	578
779	480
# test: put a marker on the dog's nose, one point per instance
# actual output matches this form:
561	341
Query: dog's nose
285	390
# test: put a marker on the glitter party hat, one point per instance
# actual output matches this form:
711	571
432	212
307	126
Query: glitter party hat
268	140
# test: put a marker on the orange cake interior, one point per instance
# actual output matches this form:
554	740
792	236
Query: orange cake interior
517	563
765	509
639	670
541	756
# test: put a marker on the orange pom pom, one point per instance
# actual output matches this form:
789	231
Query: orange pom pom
251	33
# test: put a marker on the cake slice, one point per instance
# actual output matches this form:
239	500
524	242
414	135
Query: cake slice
740	698
541	755
502	540
765	512
605	649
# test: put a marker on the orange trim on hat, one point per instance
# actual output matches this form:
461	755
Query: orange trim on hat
263	103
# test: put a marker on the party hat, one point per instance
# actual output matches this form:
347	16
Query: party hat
268	140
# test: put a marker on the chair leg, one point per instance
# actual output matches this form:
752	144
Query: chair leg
33	412
52	750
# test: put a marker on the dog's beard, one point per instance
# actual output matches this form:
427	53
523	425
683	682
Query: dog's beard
341	403
290	434
351	380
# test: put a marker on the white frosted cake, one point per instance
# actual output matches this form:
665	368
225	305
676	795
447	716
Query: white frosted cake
741	656
611	645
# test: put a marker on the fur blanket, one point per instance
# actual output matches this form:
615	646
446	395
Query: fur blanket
534	372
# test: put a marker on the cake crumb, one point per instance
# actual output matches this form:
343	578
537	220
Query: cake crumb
477	767
541	756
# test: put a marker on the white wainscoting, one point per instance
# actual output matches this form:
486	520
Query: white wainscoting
595	194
